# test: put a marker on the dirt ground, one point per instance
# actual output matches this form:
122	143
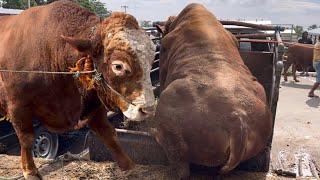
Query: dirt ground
75	170
298	121
296	129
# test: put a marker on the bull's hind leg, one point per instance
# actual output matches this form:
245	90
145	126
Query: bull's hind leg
237	147
307	71
287	64
22	123
106	132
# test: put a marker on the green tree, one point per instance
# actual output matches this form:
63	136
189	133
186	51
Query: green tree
94	6
146	23
299	30
17	4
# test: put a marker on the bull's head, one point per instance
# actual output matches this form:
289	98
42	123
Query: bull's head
123	53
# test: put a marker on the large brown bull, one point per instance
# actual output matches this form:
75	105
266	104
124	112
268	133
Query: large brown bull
298	55
33	41
212	111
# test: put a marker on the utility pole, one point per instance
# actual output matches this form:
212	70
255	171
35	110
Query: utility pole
125	7
29	4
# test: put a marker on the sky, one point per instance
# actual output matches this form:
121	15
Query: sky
298	12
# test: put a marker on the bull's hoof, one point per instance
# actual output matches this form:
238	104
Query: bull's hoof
33	177
296	80
285	79
125	163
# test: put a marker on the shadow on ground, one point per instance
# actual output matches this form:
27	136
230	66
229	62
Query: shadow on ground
293	84
313	102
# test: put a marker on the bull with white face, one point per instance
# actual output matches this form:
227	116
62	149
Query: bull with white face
125	62
52	38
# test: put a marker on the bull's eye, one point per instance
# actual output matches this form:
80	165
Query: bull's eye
120	68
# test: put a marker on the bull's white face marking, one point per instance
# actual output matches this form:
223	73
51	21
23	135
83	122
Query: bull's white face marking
144	50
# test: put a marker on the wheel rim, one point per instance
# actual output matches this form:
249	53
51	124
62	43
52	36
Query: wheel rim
42	145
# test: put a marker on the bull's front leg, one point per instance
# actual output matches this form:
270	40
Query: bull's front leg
22	123
106	132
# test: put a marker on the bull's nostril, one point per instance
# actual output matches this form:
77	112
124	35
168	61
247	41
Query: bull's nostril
141	111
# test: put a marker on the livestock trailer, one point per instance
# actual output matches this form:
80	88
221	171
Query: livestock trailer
262	53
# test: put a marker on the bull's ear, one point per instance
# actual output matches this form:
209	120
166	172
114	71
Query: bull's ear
160	28
82	45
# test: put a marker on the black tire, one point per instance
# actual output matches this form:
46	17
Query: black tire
45	144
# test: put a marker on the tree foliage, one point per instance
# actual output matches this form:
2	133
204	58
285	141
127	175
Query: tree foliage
146	23
94	6
299	30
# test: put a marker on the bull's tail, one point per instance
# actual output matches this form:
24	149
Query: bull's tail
237	147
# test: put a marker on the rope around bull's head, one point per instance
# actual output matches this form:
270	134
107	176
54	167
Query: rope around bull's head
94	81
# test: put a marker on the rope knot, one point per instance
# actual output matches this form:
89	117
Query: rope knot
97	77
83	70
76	75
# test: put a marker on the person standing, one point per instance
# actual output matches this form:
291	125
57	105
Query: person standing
316	65
304	39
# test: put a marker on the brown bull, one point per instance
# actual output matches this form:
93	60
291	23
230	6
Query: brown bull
33	41
212	111
298	55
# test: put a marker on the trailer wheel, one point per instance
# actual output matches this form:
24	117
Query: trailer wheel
46	144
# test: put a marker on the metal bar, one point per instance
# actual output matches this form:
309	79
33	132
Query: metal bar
278	37
255	26
238	23
156	61
154	70
291	32
132	132
254	35
150	28
7	136
258	41
111	114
